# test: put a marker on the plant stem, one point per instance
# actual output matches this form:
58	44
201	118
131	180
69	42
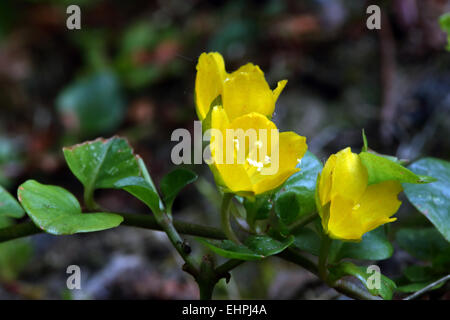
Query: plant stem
164	219
19	230
345	287
225	217
323	257
89	201
147	221
207	278
223	270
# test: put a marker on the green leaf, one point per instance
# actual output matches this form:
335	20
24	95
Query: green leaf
258	208
296	198
373	246
425	244
413	287
254	248
365	147
100	163
307	240
9	207
172	183
418	273
433	200
56	211
382	169
92	105
385	290
267	246
142	190
287	207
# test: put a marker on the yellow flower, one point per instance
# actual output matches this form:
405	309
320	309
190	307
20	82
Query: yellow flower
257	163
243	91
348	206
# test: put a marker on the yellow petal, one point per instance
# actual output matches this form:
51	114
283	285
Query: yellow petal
349	178
292	148
277	91
325	180
246	91
268	183
219	118
251	124
378	204
209	81
235	178
343	223
219	123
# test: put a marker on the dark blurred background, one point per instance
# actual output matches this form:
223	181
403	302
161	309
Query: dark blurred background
130	71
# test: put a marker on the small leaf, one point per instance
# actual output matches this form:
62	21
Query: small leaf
302	186
424	244
373	246
267	246
387	286
100	163
287	207
382	169
307	240
432	200
418	273
258	208
255	247
172	183
9	207
413	287
365	147
92	105
56	211
142	190
230	250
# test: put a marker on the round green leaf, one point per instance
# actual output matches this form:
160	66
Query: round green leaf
307	240
102	162
382	169
425	244
433	200
9	207
418	273
56	211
